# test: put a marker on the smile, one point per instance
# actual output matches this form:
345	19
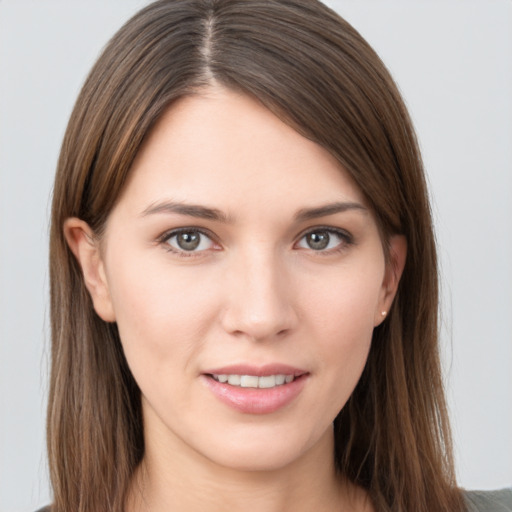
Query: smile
251	389
254	381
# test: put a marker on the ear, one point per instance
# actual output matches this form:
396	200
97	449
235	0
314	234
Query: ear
85	246
394	268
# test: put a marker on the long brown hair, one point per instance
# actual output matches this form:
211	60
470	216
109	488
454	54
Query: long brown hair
314	71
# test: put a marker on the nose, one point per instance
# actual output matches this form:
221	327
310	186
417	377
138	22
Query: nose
259	298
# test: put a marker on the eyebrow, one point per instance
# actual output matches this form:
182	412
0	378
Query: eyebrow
328	209
192	210
204	212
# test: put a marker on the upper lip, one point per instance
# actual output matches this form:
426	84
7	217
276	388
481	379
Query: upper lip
259	371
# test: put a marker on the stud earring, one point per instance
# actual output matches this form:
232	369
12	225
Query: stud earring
384	313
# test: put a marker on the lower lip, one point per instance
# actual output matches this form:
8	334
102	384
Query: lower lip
256	400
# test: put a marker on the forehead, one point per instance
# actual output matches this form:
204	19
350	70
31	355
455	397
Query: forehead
223	147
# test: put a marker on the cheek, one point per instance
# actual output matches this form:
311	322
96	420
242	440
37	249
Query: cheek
162	315
342	318
346	301
345	336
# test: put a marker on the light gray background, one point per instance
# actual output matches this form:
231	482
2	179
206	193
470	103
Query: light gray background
453	62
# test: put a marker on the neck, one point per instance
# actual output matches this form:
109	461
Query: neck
178	480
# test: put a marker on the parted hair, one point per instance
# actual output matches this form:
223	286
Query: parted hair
315	72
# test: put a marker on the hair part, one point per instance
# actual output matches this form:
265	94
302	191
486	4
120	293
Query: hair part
315	72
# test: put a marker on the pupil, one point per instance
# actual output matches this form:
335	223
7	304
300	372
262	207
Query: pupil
188	241
318	241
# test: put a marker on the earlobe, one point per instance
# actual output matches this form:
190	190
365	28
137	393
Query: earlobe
394	269
85	247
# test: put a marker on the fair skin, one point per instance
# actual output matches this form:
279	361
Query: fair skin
239	247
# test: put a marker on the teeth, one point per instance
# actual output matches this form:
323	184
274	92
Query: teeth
248	381
253	381
268	381
280	379
234	380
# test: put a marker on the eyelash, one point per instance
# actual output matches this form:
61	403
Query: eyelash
345	237
164	240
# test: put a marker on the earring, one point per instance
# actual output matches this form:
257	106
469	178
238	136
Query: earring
384	313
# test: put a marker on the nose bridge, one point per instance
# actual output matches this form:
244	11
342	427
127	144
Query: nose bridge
258	295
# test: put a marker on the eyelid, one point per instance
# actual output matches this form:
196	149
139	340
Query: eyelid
167	235
347	238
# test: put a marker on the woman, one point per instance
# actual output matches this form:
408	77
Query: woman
244	286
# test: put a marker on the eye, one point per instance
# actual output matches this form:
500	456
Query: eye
324	239
188	241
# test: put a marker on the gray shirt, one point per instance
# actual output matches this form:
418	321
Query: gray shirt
489	501
476	501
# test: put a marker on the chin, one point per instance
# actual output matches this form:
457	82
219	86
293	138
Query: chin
266	449
262	460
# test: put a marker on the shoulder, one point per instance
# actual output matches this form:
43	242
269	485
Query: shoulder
489	501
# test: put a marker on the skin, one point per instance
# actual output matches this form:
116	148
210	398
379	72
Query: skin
254	291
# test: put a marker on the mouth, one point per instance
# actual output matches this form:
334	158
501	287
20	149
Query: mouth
256	390
254	381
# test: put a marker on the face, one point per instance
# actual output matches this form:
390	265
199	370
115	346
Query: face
246	275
